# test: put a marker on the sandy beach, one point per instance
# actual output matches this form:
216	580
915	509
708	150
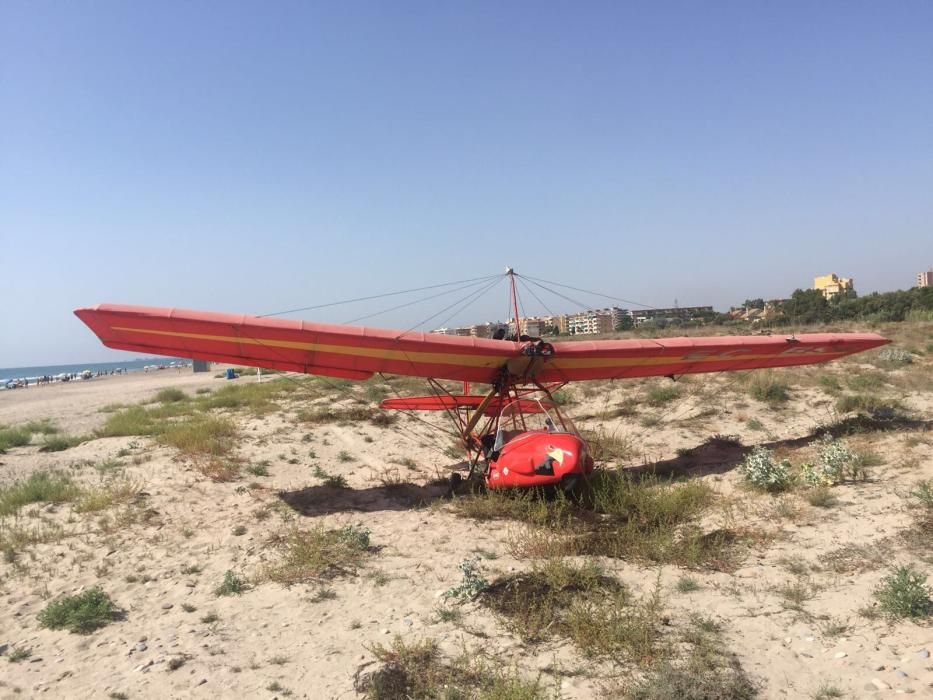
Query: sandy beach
793	603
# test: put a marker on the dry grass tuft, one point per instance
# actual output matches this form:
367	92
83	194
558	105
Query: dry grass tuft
314	554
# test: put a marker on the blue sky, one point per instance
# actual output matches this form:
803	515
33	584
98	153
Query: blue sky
255	157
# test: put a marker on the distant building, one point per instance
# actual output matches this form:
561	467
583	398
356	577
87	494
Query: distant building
832	285
925	279
683	313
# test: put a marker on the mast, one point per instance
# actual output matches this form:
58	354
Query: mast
518	326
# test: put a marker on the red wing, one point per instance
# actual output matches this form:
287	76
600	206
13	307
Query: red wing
355	352
617	359
351	352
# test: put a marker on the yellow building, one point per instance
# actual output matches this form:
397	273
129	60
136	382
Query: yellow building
832	285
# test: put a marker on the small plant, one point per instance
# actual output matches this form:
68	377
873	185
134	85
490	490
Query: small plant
239	530
188	607
661	394
448	614
176	662
344	456
472	585
923	492
276	687
761	470
835	463
82	613
334	481
58	443
821	497
19	654
233	584
278	660
904	593
687	584
764	387
210	618
170	396
260	469
827	692
355	537
893	356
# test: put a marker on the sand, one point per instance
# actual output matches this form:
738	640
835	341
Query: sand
314	645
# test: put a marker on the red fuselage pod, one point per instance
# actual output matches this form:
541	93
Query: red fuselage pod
539	458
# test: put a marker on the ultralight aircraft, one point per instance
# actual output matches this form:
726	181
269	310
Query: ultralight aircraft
521	373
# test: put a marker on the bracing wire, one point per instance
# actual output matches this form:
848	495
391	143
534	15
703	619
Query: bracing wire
417	301
596	294
377	296
468	298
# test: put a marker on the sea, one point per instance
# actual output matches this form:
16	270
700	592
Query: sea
31	373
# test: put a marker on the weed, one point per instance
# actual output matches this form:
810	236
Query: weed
14	437
239	530
893	356
904	593
233	584
210	618
19	654
452	615
259	469
610	447
279	660
314	554
188	607
276	687
58	443
416	670
171	396
761	470
821	497
764	387
115	492
333	480
827	692
580	603
176	662
687	584
754	424
39	487
793	595
472	585
661	394
82	613
323	594
200	435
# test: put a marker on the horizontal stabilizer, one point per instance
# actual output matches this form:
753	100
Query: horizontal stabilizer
451	402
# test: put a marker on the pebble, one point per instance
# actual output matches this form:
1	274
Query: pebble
3	648
141	646
901	674
202	681
840	655
35	659
167	606
190	584
880	684
924	653
385	631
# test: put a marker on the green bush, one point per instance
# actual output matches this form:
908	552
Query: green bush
40	487
904	593
761	471
82	613
233	584
171	396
